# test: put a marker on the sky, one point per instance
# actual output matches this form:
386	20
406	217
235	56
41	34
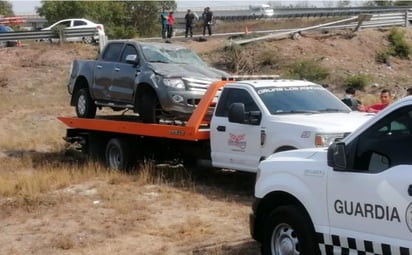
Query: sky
28	6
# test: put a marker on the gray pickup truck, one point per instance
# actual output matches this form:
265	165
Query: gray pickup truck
155	80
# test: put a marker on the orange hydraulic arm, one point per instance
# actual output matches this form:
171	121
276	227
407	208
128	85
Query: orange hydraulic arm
191	131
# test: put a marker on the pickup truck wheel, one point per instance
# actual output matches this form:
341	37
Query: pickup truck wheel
288	232
148	108
88	39
85	108
118	154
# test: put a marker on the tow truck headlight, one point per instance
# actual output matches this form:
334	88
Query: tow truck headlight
324	140
174	83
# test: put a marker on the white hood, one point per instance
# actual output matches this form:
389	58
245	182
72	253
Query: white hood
327	122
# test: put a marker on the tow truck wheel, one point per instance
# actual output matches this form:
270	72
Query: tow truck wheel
85	107
118	154
288	232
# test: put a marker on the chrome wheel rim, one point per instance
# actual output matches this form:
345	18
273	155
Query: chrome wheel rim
284	240
81	104
114	157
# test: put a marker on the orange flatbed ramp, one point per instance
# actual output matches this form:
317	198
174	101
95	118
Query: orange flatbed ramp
136	128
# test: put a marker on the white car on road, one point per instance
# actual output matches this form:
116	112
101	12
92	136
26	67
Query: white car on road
76	24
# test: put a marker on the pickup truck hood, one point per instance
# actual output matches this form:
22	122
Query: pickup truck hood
327	122
186	70
299	154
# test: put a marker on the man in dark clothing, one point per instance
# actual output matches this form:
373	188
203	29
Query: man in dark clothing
163	23
350	100
207	17
189	18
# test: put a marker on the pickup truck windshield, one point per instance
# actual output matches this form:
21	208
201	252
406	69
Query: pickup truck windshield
300	99
156	53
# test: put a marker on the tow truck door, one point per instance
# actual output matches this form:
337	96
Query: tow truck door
235	145
372	199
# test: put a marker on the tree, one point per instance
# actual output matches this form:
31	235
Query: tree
403	3
342	3
122	19
6	8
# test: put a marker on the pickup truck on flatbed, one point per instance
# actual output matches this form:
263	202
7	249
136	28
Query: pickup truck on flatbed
354	197
250	120
155	80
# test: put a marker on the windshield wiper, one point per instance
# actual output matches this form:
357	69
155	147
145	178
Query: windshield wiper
332	110
159	61
296	111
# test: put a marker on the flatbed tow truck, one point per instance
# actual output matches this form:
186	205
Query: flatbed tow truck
243	129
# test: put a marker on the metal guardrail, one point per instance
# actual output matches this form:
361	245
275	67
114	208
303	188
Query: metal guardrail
377	20
48	34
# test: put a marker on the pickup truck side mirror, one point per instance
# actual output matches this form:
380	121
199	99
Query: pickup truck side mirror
237	114
337	156
132	59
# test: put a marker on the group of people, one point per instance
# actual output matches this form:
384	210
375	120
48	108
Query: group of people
356	105
167	22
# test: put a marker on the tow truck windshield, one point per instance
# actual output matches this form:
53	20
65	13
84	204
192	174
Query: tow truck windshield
300	99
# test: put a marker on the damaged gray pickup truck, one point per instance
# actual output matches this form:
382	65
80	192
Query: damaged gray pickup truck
155	80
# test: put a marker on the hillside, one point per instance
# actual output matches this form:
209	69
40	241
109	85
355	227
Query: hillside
53	201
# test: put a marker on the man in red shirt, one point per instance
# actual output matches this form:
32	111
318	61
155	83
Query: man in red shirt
170	23
386	99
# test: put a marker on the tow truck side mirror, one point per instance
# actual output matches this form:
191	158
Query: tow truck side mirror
337	156
237	114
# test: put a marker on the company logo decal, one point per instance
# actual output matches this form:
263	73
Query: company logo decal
237	141
366	210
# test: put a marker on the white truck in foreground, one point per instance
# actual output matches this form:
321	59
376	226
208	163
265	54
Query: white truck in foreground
354	197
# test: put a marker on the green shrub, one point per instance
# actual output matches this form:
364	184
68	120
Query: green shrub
269	58
238	61
308	70
383	56
399	47
358	81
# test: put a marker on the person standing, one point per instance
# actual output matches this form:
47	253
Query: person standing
189	18
386	99
350	98
170	22
207	17
163	20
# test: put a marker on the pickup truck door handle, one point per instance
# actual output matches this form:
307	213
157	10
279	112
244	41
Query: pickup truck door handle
221	128
99	66
410	190
117	69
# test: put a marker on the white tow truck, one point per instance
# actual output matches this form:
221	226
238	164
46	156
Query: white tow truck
235	125
354	197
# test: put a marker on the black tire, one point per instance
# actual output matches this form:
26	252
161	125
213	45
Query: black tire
288	231
85	107
88	40
148	108
118	155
